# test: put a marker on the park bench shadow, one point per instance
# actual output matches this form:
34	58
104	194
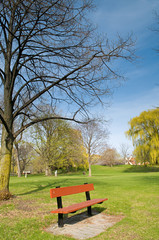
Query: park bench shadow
78	217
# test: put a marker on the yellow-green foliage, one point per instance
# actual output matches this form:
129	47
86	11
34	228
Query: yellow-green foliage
60	146
144	131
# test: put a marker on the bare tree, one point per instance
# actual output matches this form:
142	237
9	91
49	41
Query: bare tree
124	148
110	157
25	154
49	52
94	136
17	142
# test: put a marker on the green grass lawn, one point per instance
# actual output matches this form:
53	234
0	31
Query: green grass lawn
133	192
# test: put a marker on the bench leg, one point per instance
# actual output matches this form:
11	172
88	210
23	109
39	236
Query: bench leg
89	211
60	220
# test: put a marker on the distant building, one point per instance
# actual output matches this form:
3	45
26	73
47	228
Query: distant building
130	161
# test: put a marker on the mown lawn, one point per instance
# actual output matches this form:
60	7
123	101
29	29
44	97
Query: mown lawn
133	192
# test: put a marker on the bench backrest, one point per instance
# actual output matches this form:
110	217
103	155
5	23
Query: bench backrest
63	191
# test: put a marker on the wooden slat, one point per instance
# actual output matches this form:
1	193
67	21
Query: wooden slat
63	191
79	206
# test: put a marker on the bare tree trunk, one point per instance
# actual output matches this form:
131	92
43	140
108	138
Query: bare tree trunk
89	162
5	164
48	171
17	159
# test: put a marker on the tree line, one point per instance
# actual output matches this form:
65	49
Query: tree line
58	145
52	145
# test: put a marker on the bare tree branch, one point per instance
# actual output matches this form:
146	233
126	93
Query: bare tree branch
46	119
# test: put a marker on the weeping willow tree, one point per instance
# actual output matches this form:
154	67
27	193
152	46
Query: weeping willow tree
144	131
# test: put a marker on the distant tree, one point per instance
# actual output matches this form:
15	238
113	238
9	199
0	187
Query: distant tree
38	164
59	146
17	145
25	155
144	131
50	53
110	157
94	136
124	149
76	152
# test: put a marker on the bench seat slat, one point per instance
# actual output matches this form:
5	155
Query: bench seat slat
79	206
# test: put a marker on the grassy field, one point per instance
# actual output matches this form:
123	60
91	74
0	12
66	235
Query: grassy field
133	192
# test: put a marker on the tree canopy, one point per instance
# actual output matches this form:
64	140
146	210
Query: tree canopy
59	146
144	131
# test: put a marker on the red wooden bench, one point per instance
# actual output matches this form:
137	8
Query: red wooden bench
58	192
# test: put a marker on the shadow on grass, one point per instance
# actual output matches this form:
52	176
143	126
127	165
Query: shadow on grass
40	187
142	169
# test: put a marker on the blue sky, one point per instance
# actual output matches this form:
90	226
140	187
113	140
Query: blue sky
141	89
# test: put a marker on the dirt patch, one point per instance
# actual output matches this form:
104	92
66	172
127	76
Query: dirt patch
27	206
17	207
80	226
